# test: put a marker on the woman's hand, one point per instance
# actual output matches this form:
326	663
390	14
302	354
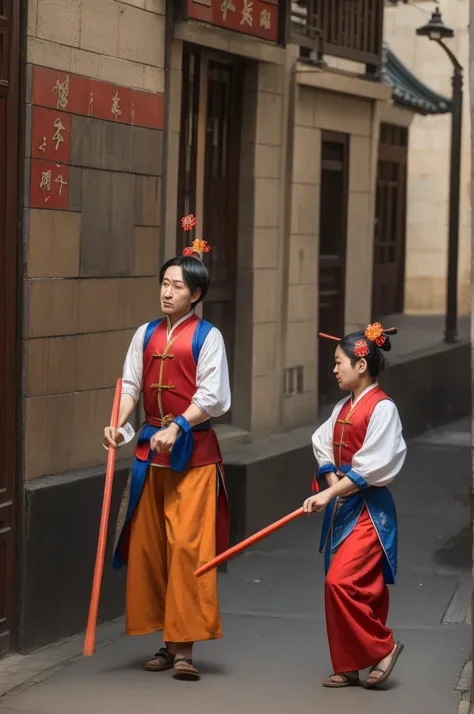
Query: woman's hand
318	502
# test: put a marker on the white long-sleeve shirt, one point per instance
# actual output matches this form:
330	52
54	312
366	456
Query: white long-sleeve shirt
383	452
212	373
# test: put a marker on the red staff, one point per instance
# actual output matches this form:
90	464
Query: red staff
247	543
89	642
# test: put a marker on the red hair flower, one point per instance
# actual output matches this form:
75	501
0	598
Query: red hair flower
361	348
190	252
188	222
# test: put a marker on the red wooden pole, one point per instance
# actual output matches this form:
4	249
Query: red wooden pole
89	641
247	543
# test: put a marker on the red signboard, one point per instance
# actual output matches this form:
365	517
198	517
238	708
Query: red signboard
251	17
90	97
50	135
49	185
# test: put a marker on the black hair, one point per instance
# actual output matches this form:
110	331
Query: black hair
376	361
195	274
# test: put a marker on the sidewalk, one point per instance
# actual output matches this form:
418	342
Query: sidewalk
274	653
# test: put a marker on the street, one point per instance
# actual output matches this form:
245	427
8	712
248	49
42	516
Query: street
274	652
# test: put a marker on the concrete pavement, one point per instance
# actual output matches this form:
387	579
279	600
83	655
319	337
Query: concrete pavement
274	653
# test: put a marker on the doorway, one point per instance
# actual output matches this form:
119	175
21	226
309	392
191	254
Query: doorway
390	222
9	117
332	253
208	184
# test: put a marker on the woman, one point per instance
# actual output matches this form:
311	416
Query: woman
360	450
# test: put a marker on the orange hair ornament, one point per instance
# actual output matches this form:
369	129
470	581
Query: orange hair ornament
198	246
374	333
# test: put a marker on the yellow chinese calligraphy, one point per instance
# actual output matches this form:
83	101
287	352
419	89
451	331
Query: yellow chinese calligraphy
227	6
42	146
247	13
59	179
58	137
45	184
62	90
265	19
116	111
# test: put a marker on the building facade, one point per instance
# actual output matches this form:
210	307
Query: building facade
429	157
265	119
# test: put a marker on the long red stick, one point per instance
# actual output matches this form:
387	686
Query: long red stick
247	543
89	642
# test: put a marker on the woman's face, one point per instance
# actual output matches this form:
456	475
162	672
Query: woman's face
348	376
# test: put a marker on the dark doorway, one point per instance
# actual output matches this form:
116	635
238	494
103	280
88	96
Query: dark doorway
209	176
332	253
390	222
9	68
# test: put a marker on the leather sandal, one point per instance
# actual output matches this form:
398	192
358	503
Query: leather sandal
184	669
348	679
161	661
385	672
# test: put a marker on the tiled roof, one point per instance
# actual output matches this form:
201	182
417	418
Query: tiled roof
408	91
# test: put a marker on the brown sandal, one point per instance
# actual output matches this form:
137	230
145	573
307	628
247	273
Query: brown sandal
162	661
348	679
184	669
385	672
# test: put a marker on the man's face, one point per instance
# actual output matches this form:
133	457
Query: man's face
176	297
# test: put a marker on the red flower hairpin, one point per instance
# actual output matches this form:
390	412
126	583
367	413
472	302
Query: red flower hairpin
188	222
374	333
361	348
198	246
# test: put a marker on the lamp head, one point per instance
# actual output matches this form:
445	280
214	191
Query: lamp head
435	29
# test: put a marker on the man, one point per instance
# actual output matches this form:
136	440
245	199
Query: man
174	515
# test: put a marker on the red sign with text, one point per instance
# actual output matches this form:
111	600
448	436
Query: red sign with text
251	17
50	135
49	185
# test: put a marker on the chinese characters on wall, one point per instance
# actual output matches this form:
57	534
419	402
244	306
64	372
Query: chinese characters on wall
252	17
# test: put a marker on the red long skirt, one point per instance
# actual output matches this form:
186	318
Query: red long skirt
357	599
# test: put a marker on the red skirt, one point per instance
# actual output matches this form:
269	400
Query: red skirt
357	599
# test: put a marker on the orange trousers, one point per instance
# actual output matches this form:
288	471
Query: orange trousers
357	599
173	532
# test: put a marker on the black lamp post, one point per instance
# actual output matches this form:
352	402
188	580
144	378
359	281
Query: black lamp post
437	31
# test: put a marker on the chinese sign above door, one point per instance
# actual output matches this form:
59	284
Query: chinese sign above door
251	17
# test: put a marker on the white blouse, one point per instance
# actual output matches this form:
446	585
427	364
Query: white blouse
212	375
383	452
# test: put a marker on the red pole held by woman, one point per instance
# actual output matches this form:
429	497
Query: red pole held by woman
89	641
247	543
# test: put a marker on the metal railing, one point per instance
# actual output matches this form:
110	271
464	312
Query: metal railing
350	29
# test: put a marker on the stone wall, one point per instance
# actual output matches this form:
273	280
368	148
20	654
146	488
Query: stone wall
429	158
93	157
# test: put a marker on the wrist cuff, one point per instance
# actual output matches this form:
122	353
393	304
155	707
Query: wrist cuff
183	424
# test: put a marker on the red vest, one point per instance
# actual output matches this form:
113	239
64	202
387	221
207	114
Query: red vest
351	425
169	384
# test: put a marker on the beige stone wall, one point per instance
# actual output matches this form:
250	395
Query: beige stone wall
428	167
91	265
257	377
317	110
119	41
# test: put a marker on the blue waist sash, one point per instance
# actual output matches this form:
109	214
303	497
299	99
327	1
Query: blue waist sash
342	514
179	459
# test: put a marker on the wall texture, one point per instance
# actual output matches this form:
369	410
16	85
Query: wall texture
95	112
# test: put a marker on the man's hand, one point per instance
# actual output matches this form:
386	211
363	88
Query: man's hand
164	440
112	437
317	502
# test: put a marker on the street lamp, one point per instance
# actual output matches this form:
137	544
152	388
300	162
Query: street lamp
437	31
